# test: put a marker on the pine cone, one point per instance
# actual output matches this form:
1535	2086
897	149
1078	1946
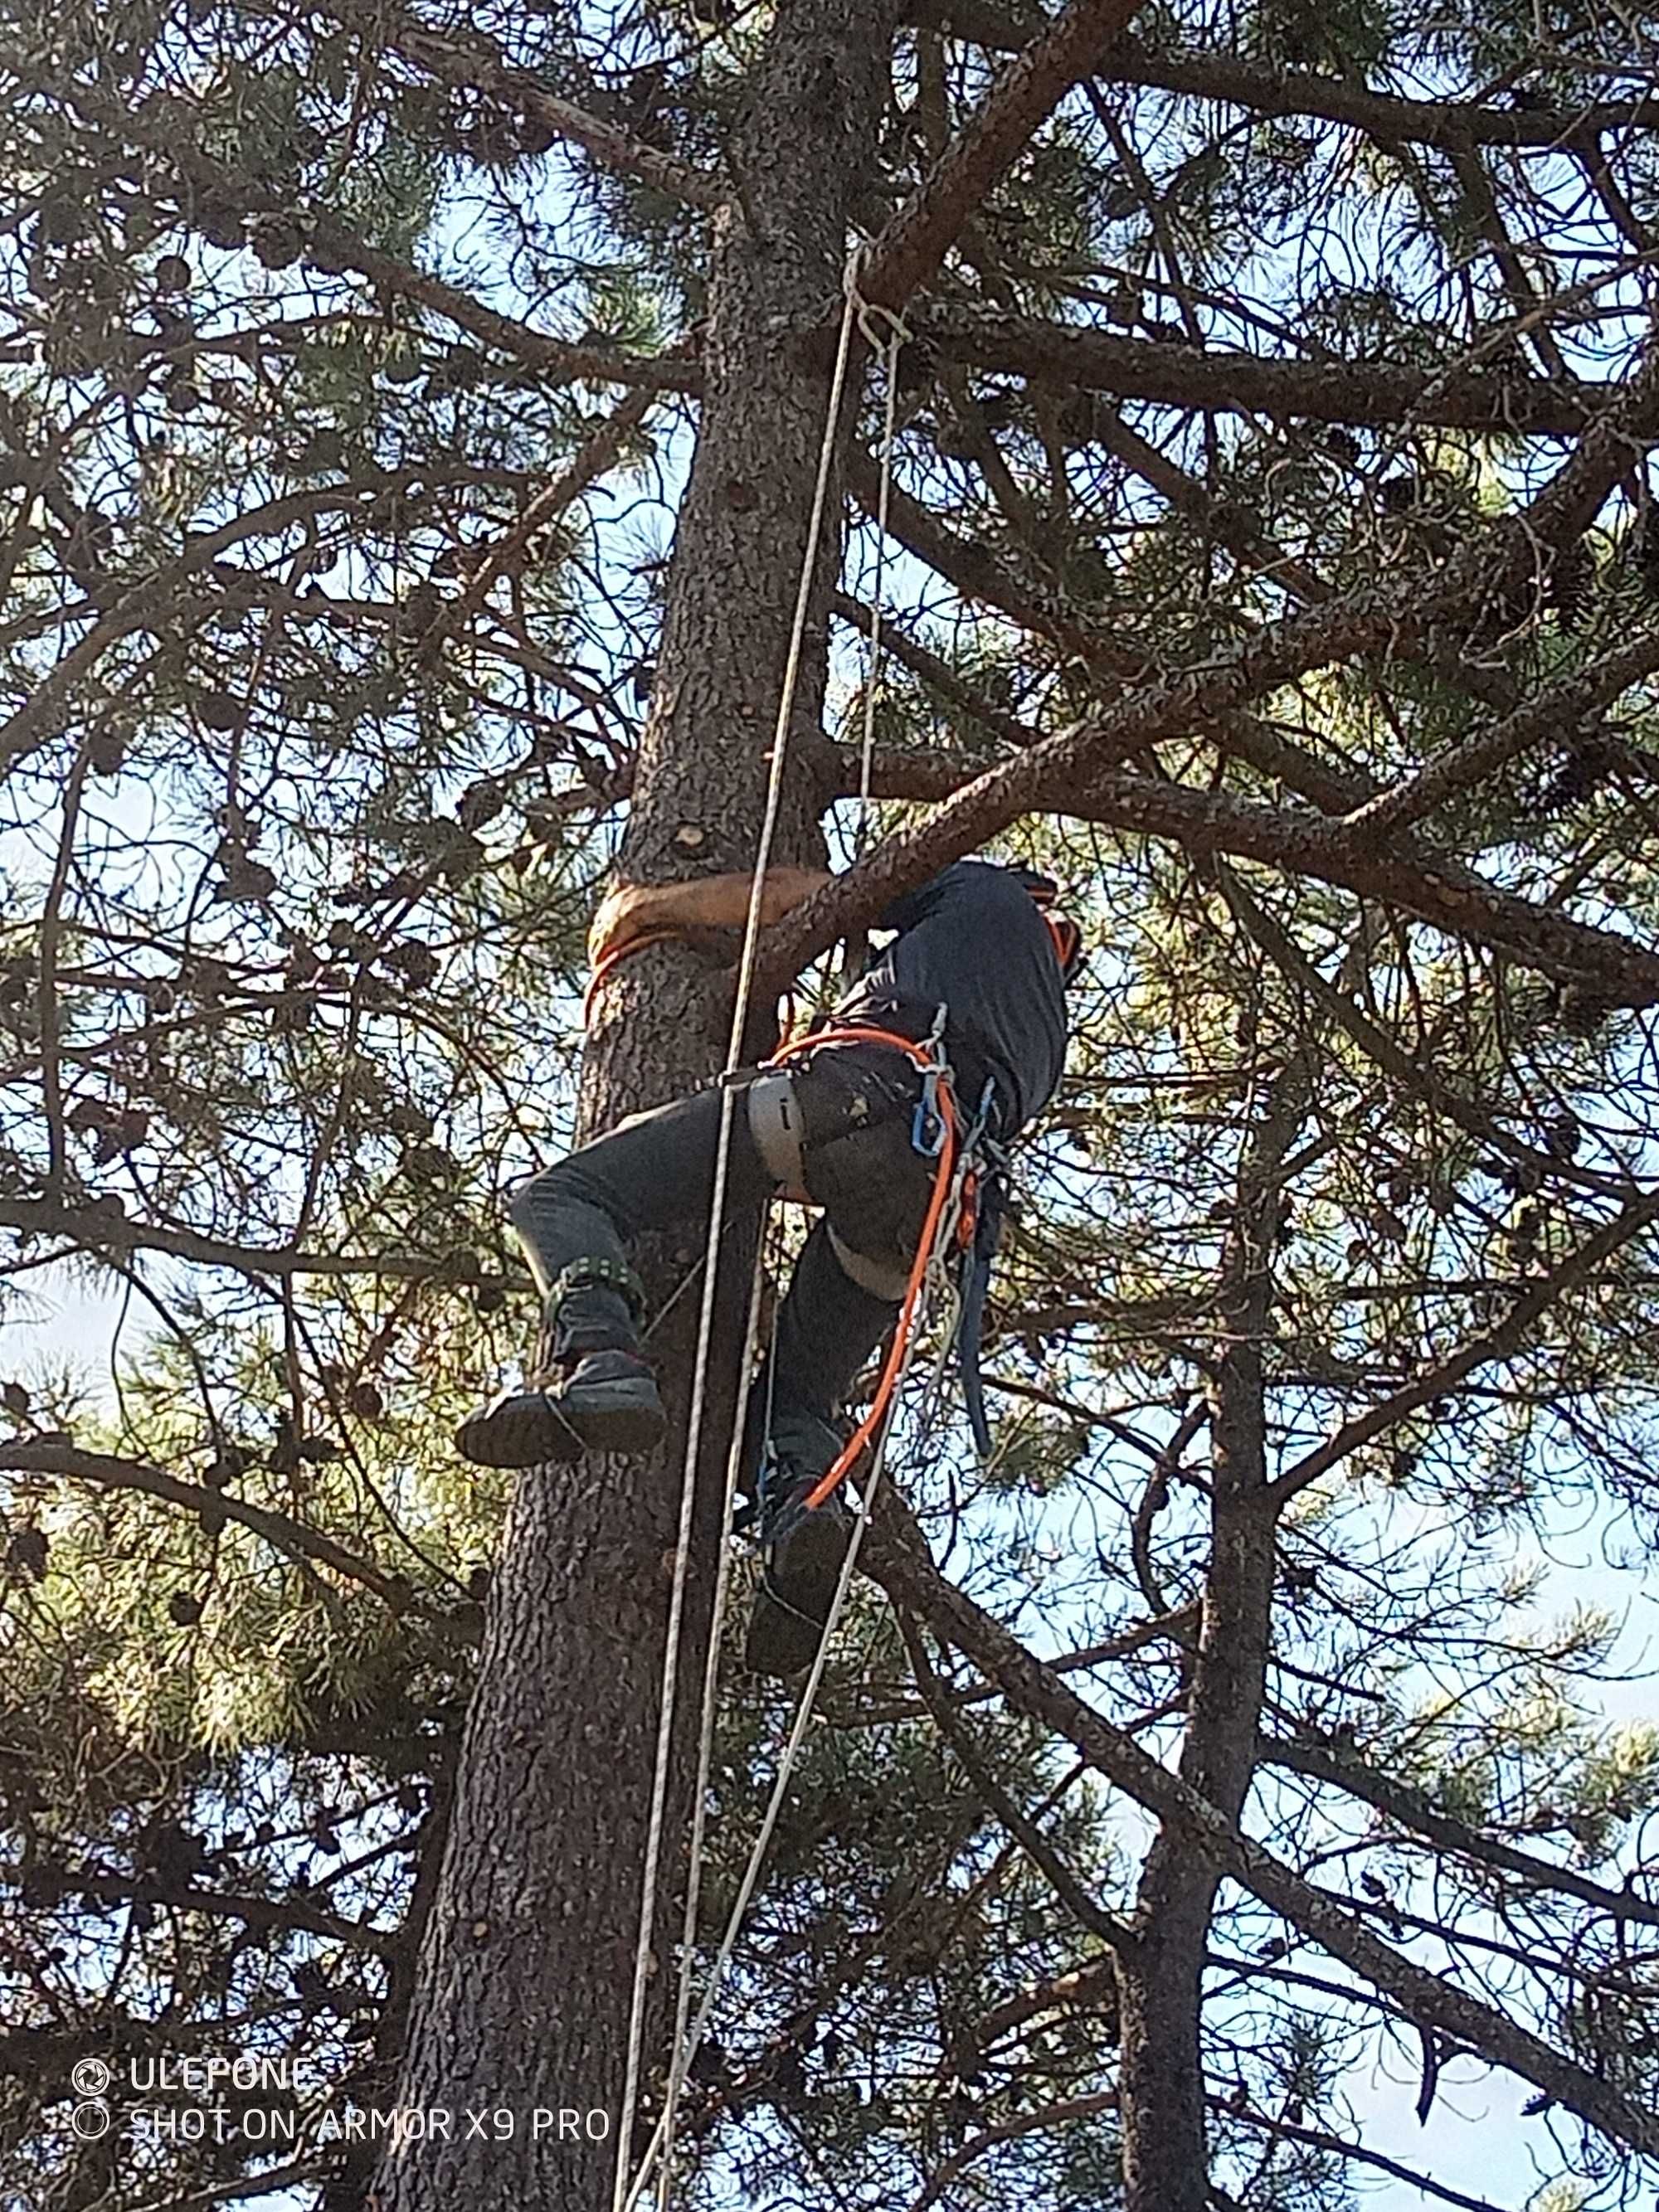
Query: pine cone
1570	584
1584	768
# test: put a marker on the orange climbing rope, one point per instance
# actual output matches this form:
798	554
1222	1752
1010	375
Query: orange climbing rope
607	962
928	1062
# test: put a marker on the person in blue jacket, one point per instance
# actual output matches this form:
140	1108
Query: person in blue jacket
979	959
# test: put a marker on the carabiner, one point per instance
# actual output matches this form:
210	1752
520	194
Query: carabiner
927	1123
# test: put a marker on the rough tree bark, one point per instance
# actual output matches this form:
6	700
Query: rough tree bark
523	1994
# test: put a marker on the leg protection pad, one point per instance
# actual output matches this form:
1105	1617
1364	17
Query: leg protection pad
776	1126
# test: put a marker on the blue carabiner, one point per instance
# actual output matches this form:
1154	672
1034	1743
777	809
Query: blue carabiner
927	1123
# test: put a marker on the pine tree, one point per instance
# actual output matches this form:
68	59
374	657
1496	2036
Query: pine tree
408	430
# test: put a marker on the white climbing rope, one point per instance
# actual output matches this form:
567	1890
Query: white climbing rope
886	344
642	1954
661	2142
706	1740
889	346
687	2034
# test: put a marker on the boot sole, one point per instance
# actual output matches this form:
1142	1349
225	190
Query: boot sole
787	1626
526	1432
633	1430
538	1431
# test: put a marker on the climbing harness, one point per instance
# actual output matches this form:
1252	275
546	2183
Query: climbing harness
934	1135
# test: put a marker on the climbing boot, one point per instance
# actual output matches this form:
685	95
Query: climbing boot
802	1551
608	1402
591	1390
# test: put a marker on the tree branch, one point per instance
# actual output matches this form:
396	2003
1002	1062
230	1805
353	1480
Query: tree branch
1024	1830
1447	897
94	1228
1555	712
1066	2113
1318	2140
343	245
24	1455
263	1912
597	451
476	65
978	575
910	249
901	1566
1062	773
1380	1047
938	675
1501	1342
1282	90
1215	380
1413	1809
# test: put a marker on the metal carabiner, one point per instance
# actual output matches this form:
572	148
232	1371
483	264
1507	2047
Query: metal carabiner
927	1123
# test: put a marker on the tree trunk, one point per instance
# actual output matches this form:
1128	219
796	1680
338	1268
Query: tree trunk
524	1984
1160	1975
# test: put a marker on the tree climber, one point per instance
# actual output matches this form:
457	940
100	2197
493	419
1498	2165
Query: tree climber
980	963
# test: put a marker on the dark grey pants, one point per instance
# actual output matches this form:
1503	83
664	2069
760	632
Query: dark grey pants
655	1171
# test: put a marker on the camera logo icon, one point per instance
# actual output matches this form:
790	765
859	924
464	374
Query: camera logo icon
89	2122
90	2077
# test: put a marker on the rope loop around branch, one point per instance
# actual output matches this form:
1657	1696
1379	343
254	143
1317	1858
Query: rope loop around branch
867	314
